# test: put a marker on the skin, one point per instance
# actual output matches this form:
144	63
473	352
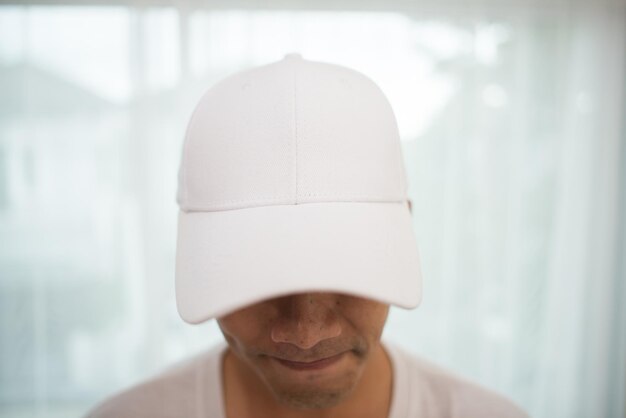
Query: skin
307	327
303	328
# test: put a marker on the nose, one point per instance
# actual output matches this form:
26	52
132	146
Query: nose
306	319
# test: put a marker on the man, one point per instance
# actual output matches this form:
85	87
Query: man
295	234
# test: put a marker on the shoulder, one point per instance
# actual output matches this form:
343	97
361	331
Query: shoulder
441	392
170	393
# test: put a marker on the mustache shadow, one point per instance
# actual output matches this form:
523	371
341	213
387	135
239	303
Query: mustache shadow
323	349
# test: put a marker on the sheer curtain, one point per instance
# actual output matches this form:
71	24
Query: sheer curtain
512	121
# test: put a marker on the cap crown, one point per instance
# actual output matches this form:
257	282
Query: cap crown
293	131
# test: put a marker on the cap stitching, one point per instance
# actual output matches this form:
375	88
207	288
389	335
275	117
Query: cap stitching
376	198
295	128
307	194
266	204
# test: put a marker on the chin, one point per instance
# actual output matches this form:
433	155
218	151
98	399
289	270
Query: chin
313	390
313	397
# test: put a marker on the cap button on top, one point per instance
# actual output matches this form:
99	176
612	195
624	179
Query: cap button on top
293	55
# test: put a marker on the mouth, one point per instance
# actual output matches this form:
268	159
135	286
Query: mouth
312	365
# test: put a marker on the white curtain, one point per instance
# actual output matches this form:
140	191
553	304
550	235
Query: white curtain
512	120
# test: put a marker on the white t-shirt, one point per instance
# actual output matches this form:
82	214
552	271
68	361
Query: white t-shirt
192	388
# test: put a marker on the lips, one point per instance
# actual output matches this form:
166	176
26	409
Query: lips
313	365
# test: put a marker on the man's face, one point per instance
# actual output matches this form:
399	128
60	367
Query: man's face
308	349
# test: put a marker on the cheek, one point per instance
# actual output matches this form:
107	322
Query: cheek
378	318
367	317
243	331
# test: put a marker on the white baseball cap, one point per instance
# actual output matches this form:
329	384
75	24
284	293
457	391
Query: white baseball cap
292	180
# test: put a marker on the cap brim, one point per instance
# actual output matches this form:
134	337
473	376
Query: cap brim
226	260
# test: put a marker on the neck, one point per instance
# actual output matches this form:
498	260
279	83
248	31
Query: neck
246	396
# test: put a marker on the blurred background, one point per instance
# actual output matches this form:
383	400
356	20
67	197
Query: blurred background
512	117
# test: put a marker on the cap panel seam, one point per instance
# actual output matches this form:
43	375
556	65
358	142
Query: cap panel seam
309	195
295	131
286	201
